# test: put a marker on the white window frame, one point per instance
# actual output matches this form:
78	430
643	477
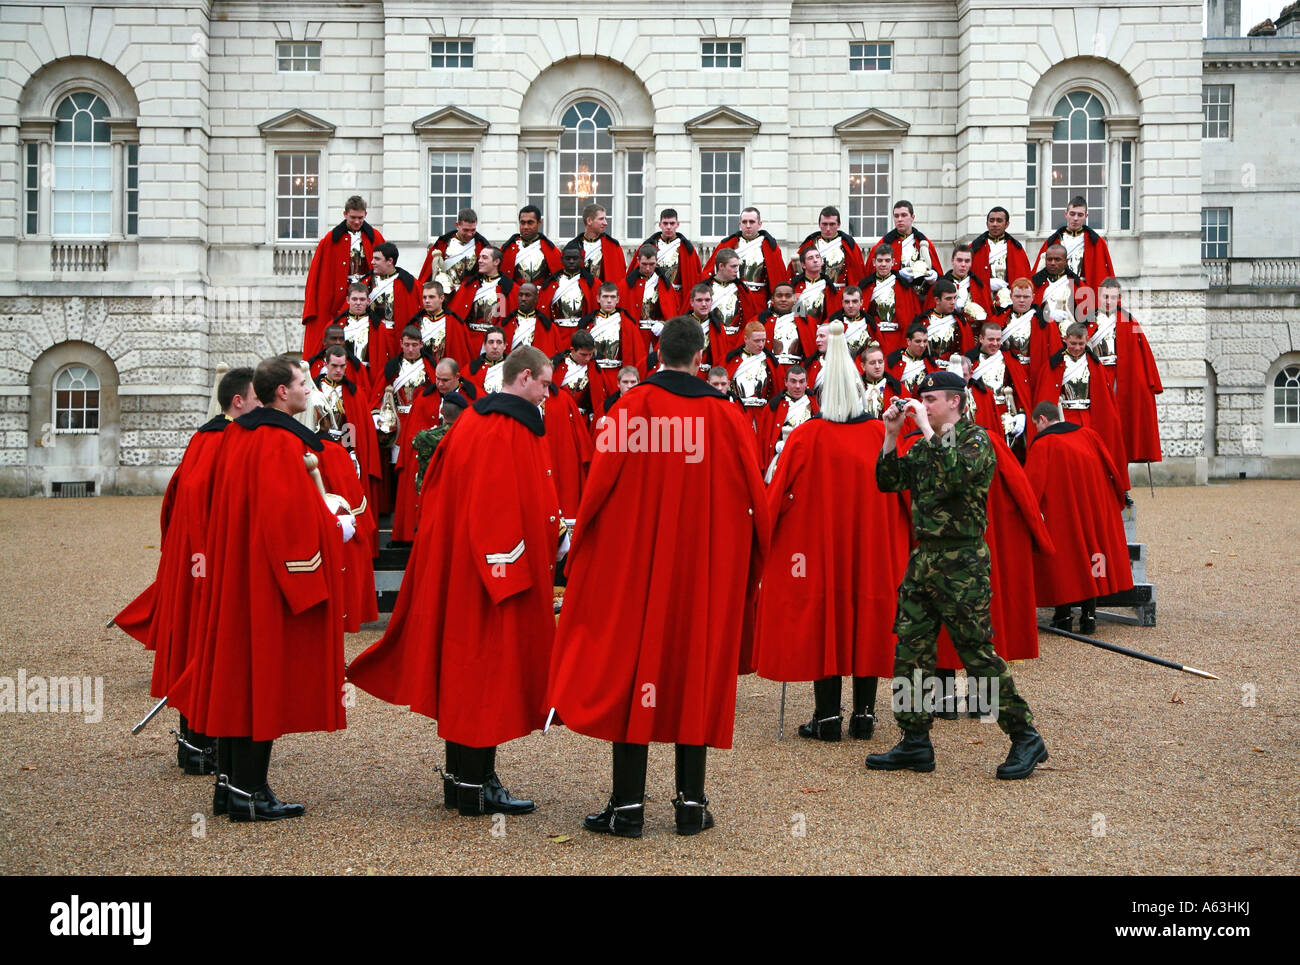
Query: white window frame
427	194
460	54
729	226
54	401
1227	242
311	52
310	234
864	59
846	210
1208	124
728	53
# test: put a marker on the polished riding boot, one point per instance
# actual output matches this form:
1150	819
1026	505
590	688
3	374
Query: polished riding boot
1027	751
479	790
624	815
1088	616
693	815
202	757
1063	619
449	772
225	767
947	694
251	797
863	722
826	722
913	753
182	733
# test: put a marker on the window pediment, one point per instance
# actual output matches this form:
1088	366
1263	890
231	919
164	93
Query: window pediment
872	126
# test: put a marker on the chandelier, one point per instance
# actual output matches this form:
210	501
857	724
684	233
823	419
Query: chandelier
583	185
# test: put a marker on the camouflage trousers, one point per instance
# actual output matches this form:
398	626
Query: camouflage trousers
949	587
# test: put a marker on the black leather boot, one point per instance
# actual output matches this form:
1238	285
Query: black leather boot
225	767
624	815
1063	619
1088	616
913	753
449	773
479	790
250	796
691	806
863	722
827	721
1027	751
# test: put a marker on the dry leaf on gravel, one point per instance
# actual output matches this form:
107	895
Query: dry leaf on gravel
811	790
559	838
1175	699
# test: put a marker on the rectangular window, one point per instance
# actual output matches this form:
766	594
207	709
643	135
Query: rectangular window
297	196
451	175
83	189
132	189
451	54
1126	185
1031	187
864	56
535	189
635	227
722	54
32	185
1216	112
297	56
869	194
1216	232
720	192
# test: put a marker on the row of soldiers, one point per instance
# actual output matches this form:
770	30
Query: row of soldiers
1019	336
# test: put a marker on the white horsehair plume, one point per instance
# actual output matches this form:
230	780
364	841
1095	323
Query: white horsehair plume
841	391
214	407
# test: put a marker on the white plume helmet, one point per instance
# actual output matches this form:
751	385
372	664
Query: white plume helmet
841	391
310	416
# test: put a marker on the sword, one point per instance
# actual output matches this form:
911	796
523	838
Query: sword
780	724
149	716
1150	483
1136	654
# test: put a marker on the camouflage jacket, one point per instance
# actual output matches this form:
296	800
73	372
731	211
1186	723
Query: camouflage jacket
424	442
949	482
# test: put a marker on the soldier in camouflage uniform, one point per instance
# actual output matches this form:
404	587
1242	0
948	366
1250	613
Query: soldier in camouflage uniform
947	579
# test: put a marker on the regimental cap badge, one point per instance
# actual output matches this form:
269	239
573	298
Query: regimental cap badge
941	381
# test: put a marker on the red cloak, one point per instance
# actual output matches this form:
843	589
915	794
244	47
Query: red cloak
162	616
830	585
632	291
612	266
895	242
632	350
479	316
896	365
1137	383
385	340
1096	265
1017	261
753	406
543	337
891	335
656	624
363	441
754	296
326	292
469	641
468	265
424	414
270	657
688	270
852	270
1101	416
810	319
571	448
1081	494
537	271
770	421
339	474
560	300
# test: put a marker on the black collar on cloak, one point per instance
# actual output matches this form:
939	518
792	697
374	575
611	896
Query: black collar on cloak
683	384
517	408
267	416
341	231
1058	428
217	423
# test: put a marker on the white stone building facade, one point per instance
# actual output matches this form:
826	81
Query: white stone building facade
170	232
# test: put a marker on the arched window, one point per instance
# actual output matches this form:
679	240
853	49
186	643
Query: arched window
586	164
1286	396
76	400
1079	156
83	167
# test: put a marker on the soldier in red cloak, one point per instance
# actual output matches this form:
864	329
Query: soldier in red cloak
341	258
673	457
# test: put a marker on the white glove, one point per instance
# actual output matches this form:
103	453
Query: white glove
563	548
779	446
396	453
348	523
931	276
374	416
656	329
1059	315
1018	423
355	465
997	284
906	275
388	323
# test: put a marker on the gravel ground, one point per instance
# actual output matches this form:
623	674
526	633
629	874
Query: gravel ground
1151	771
